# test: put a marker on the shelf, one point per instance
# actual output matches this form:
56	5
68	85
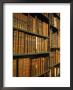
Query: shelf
54	29
31	33
40	16
55	65
56	15
33	55
53	49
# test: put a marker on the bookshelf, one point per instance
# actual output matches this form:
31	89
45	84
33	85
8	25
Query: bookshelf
54	44
36	45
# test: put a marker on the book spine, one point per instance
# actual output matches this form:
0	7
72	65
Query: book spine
14	68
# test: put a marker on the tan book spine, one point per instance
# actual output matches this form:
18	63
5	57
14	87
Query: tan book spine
34	25
27	67
14	68
20	67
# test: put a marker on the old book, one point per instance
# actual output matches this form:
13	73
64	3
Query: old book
15	20
24	22
37	44
55	71
41	65
33	70
19	44
33	44
43	28
37	24
22	43
40	27
27	67
14	67
42	44
30	23
15	41
52	72
26	43
46	45
47	28
34	25
37	66
20	67
52	58
55	22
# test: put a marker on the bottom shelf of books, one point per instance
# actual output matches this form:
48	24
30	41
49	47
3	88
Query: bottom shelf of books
34	67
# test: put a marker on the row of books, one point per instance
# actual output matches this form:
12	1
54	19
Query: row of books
53	39
54	21
30	67
24	43
54	72
54	58
30	24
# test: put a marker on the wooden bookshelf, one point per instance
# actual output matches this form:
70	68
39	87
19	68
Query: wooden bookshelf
36	44
54	19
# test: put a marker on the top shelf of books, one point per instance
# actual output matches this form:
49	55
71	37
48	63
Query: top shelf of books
33	22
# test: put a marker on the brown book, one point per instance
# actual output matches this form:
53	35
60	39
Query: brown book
22	43
37	66
34	25
44	28
33	44
41	65
19	44
26	43
55	22
58	56
46	45
20	67
15	20
40	27
37	25
33	70
55	71
52	58
27	67
47	30
50	73
24	67
24	22
30	23
37	44
14	67
15	42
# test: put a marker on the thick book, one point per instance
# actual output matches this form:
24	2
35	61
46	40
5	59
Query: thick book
14	67
15	41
